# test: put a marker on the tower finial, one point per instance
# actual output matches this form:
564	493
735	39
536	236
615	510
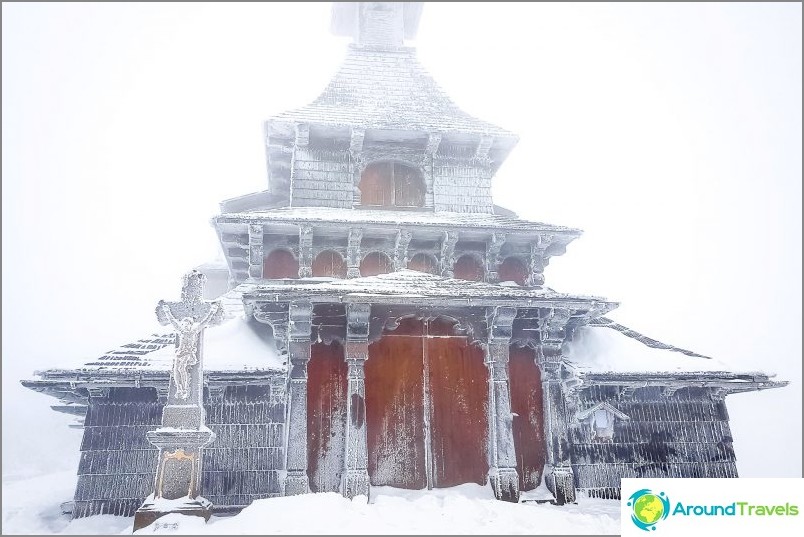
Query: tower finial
382	24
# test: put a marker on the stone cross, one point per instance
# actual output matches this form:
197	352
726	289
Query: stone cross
189	317
183	432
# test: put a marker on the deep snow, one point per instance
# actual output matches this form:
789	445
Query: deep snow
32	506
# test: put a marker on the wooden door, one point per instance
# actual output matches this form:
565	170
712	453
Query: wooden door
426	398
528	425
326	416
458	382
395	409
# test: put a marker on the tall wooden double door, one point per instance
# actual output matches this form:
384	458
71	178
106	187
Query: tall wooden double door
426	403
426	400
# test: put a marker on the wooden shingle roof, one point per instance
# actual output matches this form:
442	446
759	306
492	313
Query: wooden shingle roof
388	89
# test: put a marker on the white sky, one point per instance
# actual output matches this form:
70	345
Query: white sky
670	133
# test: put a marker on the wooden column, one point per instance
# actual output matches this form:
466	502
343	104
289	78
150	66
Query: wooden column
433	143
299	330
255	250
356	162
493	247
448	242
305	251
353	257
558	470
502	471
536	263
355	480
403	237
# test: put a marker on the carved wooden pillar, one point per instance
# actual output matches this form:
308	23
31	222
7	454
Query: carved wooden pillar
355	480
558	472
502	469
356	162
353	253
448	242
433	143
493	247
299	330
305	251
401	249
255	250
536	261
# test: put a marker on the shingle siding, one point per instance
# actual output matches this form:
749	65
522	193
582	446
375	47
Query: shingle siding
683	435
117	465
321	178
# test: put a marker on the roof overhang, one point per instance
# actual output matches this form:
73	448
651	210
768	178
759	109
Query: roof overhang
418	289
727	382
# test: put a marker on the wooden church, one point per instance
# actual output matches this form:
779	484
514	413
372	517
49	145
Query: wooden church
385	324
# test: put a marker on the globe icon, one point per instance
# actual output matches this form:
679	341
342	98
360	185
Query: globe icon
648	509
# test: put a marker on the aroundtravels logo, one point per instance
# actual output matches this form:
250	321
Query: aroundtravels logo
648	508
710	506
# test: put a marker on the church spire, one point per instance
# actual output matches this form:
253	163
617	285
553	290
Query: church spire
376	24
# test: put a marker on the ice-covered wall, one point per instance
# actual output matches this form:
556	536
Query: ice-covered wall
244	463
321	178
461	183
665	433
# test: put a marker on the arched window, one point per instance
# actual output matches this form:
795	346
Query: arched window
280	264
391	184
423	263
467	267
329	264
512	269
376	263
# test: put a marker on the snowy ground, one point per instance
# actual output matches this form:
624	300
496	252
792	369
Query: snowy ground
31	506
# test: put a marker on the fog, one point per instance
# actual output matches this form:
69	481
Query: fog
670	133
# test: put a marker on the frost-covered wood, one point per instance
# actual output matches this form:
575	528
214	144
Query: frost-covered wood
255	251
669	433
117	466
327	375
321	177
305	251
299	330
355	475
502	472
353	252
558	474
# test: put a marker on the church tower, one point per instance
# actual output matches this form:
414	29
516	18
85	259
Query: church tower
380	173
383	174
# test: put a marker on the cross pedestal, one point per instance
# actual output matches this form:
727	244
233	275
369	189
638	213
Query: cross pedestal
177	486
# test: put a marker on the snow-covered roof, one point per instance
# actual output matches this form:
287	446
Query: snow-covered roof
393	218
415	287
605	349
238	344
389	89
234	345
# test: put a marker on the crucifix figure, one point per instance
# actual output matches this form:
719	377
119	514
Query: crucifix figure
189	317
189	335
183	433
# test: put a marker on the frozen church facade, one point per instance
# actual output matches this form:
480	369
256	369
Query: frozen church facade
383	323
